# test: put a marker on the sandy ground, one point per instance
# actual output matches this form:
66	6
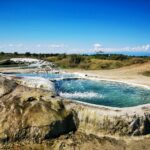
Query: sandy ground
130	74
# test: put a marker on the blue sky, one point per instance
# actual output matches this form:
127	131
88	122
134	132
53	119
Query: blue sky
75	25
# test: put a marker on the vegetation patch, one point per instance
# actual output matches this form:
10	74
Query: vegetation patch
95	62
87	62
146	73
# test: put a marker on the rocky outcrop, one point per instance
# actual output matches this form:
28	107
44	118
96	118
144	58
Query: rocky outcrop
35	118
112	121
6	86
37	82
72	141
32	114
38	114
82	141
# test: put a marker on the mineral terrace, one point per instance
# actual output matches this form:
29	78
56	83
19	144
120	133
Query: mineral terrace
36	118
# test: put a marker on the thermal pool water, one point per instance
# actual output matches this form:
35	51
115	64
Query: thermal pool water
105	93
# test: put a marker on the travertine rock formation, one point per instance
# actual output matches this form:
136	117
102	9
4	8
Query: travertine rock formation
32	118
112	121
32	114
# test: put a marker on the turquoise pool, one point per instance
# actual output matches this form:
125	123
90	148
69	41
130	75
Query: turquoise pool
47	75
105	93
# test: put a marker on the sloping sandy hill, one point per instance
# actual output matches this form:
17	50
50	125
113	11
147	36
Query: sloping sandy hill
131	74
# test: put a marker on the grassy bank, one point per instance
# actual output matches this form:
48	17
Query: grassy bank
92	62
95	62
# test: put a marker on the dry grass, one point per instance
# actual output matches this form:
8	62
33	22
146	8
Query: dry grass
90	63
146	73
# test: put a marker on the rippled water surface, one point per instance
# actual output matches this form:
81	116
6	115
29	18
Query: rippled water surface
47	75
98	92
103	93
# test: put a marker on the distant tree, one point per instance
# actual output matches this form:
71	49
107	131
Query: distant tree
16	53
35	55
27	54
2	53
62	56
118	57
75	59
39	56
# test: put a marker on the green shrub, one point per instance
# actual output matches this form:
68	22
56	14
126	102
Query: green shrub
146	73
76	59
137	61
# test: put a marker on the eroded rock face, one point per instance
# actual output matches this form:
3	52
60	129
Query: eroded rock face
6	86
108	121
82	141
32	114
73	141
35	115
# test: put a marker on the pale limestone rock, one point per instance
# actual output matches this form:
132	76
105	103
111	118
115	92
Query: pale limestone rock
32	114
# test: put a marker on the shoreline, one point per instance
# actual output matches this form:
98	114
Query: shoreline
100	106
106	120
104	75
130	74
108	107
112	80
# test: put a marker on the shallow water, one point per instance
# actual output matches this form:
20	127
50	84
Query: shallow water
46	75
106	93
103	93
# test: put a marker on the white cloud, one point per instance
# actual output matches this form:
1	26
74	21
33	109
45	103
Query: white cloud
38	45
97	47
57	45
34	48
63	48
10	45
142	48
19	45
